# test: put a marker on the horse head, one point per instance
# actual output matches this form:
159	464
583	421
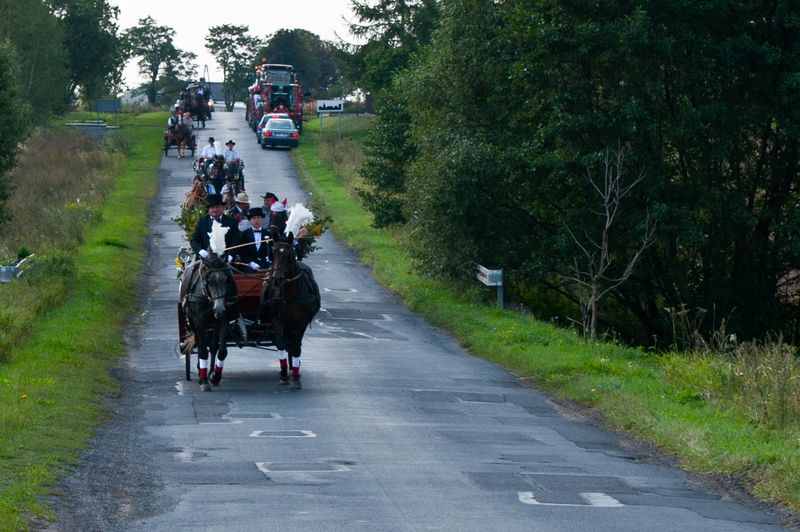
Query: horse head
217	283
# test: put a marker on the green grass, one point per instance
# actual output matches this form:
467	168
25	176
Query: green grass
692	407
52	386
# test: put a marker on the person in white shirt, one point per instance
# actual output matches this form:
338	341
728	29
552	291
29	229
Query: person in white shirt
230	154
209	151
232	162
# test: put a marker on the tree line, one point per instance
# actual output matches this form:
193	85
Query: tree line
501	125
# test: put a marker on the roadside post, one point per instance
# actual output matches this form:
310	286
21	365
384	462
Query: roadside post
491	278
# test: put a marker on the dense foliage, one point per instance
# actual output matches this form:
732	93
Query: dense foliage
515	103
95	51
390	32
13	124
38	37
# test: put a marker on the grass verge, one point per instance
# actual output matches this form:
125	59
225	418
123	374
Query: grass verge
51	387
689	406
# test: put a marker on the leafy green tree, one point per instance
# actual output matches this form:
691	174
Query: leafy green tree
175	76
94	46
393	30
38	38
388	151
515	102
14	125
153	45
705	95
235	51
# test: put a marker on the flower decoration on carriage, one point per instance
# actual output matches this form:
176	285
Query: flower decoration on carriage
301	217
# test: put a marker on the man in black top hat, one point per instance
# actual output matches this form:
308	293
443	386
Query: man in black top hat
257	253
200	239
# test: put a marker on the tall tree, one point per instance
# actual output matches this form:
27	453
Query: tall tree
153	45
94	46
393	30
38	38
235	51
14	125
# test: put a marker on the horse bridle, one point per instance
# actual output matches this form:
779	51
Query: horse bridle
205	268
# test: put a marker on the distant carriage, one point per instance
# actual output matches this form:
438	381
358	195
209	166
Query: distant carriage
181	138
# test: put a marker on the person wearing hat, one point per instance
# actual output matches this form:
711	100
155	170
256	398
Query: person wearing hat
256	254
200	238
239	211
269	199
278	216
232	161
209	151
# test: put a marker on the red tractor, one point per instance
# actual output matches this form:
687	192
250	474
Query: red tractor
275	90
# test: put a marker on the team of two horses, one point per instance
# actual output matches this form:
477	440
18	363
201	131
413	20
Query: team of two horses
289	300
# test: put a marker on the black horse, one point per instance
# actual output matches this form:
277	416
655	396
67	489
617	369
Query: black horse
289	301
209	299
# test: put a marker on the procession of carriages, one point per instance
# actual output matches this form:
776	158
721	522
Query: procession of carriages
226	302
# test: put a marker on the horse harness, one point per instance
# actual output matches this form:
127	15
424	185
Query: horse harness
198	276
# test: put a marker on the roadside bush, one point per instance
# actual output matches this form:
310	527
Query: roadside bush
59	182
768	375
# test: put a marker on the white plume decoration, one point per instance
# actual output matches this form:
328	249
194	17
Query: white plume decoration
298	217
217	237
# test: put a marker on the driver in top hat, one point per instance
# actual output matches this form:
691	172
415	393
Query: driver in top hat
200	239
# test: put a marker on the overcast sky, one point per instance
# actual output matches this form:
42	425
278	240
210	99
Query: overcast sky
191	19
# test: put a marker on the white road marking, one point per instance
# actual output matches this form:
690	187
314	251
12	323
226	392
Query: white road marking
277	434
337	468
594	499
340	290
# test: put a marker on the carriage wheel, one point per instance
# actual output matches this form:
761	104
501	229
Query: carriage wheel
166	149
188	359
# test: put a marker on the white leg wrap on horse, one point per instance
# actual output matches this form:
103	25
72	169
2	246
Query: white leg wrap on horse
220	362
295	362
282	355
203	363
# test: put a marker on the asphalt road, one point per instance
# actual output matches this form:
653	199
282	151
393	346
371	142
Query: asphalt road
396	428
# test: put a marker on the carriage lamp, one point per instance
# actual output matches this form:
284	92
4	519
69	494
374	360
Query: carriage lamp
182	257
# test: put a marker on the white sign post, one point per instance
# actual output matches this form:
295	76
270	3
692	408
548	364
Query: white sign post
491	278
330	106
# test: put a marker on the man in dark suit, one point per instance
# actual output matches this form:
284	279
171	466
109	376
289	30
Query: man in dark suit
256	254
215	208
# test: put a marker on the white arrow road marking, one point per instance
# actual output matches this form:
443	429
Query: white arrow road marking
598	500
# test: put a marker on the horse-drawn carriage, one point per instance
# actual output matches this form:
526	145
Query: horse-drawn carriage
181	137
195	99
231	306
